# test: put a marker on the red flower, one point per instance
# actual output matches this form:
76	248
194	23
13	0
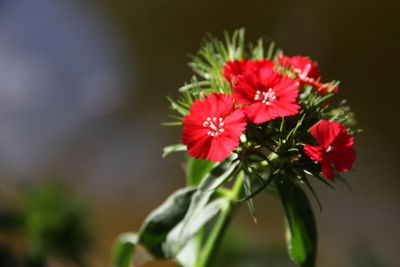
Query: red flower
213	127
234	69
307	71
266	95
335	146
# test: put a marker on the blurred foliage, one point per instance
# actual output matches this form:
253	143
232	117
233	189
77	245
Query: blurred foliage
238	250
51	223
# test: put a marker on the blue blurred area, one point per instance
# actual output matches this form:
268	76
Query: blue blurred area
58	69
82	96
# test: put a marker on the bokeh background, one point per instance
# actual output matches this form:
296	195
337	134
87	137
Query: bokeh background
82	96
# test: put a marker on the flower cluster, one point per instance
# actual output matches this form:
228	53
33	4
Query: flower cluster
262	105
261	93
263	121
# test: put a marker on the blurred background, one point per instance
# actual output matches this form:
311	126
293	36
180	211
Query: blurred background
82	96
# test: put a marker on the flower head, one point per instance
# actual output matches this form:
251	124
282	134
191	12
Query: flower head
335	146
236	68
213	127
307	71
266	95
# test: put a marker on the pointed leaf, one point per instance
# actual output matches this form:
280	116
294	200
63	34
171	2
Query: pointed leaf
259	183
188	256
195	214
173	148
123	249
163	219
301	227
180	236
250	204
155	228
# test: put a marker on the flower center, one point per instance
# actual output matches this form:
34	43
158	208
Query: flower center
265	97
328	149
215	126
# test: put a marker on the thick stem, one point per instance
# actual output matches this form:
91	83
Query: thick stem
215	237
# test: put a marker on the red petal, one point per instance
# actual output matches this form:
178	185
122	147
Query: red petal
325	132
307	66
336	146
343	158
245	89
314	152
327	169
235	124
259	112
285	89
236	68
233	69
196	137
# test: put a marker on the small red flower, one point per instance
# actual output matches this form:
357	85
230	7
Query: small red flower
307	71
266	95
234	69
213	127
335	146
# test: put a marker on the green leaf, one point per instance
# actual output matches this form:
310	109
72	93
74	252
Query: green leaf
259	183
323	180
250	204
173	148
301	227
196	170
180	236
154	229
177	107
163	219
172	123
123	249
271	49
310	187
188	256
199	212
258	50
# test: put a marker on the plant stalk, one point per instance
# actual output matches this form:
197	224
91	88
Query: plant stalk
210	247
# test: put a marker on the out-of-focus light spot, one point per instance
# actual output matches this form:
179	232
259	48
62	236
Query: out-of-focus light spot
100	94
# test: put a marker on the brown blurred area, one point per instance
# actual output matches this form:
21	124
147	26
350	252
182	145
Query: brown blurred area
88	108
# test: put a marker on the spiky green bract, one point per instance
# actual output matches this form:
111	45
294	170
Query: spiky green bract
208	65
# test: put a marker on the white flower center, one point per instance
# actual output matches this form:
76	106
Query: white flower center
265	97
215	126
328	149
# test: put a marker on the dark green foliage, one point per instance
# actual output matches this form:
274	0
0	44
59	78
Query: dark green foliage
301	227
54	225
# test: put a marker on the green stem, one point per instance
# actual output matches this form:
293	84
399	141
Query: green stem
209	249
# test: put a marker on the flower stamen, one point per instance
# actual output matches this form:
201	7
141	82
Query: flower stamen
265	97
328	149
215	125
